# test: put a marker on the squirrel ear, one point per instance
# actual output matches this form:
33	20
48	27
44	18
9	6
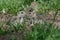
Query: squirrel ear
33	4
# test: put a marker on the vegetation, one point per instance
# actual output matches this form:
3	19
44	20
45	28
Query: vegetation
43	32
39	31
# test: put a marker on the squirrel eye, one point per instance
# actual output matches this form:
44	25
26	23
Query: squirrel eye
21	12
31	10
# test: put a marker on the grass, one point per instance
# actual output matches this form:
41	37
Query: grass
43	32
14	6
39	31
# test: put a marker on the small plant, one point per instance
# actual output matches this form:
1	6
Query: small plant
43	32
39	31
